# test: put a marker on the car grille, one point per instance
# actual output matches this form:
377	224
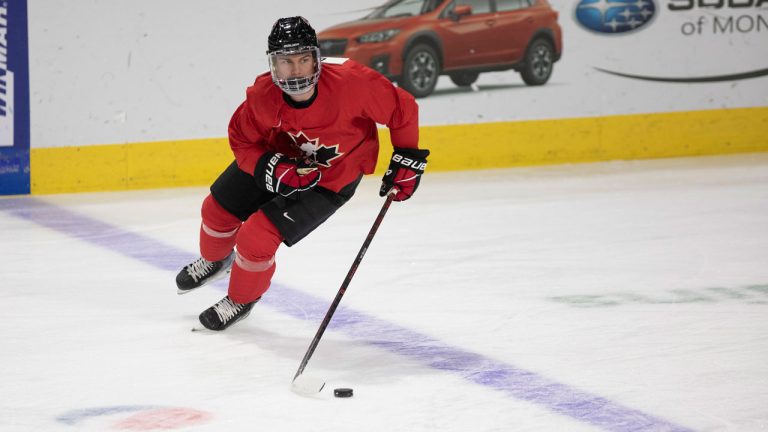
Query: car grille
332	47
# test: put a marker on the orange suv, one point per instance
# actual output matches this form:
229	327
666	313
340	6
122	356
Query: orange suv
413	42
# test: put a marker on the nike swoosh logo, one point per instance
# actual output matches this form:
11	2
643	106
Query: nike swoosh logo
285	215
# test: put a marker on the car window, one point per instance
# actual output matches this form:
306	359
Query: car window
508	5
478	6
399	8
432	5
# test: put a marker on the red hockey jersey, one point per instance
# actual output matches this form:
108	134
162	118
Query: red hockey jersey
337	131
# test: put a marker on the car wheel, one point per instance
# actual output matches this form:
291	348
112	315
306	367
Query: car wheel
539	60
421	70
464	79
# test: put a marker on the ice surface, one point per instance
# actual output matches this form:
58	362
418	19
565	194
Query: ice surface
615	296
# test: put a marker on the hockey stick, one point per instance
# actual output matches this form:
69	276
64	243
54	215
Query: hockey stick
308	385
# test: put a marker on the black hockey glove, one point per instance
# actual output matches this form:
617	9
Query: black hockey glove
282	175
404	172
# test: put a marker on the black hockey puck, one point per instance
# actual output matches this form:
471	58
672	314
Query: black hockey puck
342	392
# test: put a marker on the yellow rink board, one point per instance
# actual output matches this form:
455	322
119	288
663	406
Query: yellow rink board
454	147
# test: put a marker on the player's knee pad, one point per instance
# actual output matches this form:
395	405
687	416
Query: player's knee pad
216	218
258	239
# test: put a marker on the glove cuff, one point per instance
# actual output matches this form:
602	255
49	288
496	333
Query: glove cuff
261	164
265	170
413	153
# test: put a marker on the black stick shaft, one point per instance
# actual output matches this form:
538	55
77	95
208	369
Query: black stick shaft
343	289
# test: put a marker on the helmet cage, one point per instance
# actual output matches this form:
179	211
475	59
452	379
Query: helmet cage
295	85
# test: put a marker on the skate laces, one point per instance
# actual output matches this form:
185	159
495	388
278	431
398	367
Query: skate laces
226	309
199	269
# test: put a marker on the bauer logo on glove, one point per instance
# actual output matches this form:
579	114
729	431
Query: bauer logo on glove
279	174
404	172
419	165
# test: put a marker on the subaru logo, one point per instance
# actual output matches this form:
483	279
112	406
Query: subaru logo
615	16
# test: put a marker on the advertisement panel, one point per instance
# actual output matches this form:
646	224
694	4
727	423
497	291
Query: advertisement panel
680	41
14	98
481	61
145	104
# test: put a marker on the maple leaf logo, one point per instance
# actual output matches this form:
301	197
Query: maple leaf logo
316	153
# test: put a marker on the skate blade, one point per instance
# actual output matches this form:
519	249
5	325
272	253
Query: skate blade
180	291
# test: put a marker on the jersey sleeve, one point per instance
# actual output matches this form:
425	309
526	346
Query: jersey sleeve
247	142
393	107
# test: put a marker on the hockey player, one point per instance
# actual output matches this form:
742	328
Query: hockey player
302	140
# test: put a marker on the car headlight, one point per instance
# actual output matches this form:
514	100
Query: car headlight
379	36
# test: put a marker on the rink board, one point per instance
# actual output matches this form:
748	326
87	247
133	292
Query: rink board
454	147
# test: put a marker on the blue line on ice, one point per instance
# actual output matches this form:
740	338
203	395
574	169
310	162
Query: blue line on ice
518	383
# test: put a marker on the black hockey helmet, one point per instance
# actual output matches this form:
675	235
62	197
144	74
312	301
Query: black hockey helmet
290	33
293	37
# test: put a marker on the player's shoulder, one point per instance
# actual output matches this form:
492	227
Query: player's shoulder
262	82
351	75
261	87
263	97
345	67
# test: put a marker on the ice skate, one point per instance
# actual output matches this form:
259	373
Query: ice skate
225	313
202	271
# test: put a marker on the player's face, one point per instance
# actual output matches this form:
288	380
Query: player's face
295	65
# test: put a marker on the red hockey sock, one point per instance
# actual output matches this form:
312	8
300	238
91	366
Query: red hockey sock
254	265
218	231
246	286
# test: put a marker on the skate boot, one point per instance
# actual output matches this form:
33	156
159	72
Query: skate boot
225	313
202	271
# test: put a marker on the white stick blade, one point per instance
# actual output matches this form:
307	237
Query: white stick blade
307	385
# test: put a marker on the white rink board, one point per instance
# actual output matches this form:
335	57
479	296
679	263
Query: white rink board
119	71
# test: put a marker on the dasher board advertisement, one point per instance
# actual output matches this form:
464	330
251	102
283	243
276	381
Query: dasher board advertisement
14	98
